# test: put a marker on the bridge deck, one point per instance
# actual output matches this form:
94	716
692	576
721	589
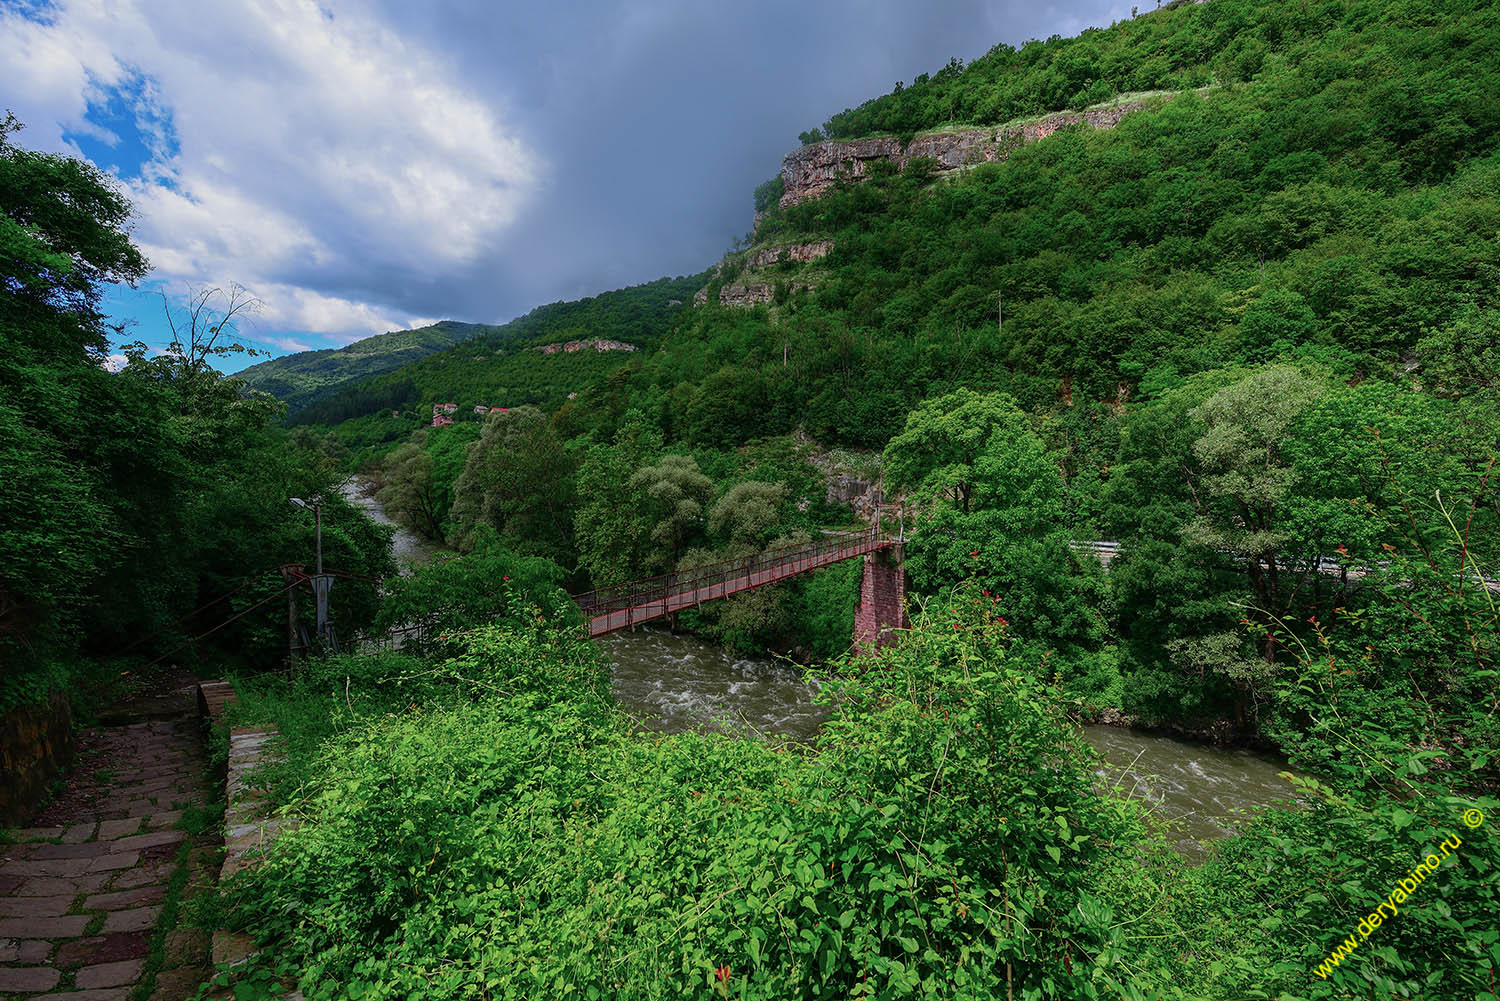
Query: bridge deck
644	601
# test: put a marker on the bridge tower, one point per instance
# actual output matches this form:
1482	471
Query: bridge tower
882	599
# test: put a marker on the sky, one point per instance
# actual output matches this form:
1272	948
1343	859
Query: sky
363	167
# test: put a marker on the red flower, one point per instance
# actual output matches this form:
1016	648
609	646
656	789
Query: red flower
723	974
1341	549
974	553
505	578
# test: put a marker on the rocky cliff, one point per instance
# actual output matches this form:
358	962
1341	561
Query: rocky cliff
599	344
811	170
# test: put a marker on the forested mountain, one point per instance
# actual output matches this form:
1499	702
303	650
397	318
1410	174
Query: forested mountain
497	368
1247	329
308	376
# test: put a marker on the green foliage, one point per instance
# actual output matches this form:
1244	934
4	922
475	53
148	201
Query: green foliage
454	594
417	479
134	497
498	368
307	377
511	838
768	194
518	478
673	493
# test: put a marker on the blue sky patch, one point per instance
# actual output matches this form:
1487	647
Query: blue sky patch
126	129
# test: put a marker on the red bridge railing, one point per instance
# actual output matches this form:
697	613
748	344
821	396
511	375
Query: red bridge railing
610	608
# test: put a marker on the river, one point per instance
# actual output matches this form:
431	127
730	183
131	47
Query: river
409	548
675	683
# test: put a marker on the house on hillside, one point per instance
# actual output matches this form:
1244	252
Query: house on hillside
442	414
481	409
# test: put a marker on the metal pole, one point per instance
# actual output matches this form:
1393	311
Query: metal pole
318	521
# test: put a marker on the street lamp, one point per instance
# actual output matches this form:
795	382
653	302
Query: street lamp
317	509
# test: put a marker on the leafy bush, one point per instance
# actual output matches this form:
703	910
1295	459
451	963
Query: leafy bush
515	840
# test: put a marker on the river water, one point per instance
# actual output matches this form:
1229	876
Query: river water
676	683
409	548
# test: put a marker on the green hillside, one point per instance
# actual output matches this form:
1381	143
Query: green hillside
1332	196
498	368
1249	333
308	376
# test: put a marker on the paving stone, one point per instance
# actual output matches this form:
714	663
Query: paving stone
125	898
36	833
109	974
111	829
144	875
9	884
167	818
103	949
78	833
135	919
51	886
102	994
35	907
61	927
33	950
148	840
91	850
109	863
46	867
14	979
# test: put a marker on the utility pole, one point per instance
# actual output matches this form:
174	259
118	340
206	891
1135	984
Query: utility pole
321	584
1000	312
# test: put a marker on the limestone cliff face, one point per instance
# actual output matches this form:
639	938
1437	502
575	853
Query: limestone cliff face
802	252
599	344
811	170
752	294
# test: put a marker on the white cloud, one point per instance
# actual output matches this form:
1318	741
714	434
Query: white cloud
315	150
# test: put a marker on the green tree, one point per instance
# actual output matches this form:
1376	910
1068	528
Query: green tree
407	492
1246	478
610	524
675	494
519	480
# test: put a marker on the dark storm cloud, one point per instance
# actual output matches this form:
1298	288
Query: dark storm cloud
361	167
657	121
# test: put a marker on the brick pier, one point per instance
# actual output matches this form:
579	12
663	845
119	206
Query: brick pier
882	599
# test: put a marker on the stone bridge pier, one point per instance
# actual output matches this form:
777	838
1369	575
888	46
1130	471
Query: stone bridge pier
882	599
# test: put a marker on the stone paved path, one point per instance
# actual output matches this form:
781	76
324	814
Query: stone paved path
81	891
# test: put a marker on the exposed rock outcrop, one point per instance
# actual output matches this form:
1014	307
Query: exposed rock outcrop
811	170
599	344
751	295
800	252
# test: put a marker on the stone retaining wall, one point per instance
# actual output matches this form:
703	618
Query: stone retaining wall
248	827
36	746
